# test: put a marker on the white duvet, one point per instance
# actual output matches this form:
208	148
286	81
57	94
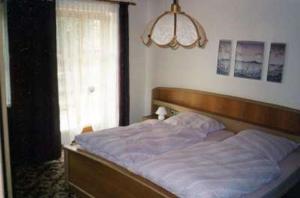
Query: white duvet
136	143
209	170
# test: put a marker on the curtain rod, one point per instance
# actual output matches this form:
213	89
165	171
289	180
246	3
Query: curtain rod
116	1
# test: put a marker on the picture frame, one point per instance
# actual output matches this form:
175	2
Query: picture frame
276	62
224	57
249	59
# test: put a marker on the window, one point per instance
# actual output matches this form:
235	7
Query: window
88	66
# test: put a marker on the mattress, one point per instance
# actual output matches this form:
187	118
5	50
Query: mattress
218	135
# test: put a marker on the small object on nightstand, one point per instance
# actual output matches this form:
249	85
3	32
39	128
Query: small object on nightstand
148	117
87	129
161	112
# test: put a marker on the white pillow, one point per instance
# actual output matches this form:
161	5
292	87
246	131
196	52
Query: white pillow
273	147
197	121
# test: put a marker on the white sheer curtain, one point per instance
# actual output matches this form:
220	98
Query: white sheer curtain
88	59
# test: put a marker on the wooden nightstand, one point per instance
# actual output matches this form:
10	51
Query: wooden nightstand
149	117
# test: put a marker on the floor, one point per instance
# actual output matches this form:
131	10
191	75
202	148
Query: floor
41	181
294	192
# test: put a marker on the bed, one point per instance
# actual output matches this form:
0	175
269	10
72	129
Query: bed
92	176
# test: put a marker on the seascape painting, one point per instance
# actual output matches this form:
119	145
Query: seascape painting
276	62
224	57
249	59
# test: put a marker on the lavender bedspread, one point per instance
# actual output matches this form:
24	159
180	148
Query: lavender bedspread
127	146
209	170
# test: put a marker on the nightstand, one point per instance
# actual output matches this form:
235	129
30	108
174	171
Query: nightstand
149	117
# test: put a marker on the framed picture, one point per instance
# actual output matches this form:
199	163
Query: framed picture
224	57
249	59
276	62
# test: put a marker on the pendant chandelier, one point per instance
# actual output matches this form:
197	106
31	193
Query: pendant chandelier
175	28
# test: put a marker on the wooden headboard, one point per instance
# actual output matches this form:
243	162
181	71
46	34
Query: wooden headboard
243	113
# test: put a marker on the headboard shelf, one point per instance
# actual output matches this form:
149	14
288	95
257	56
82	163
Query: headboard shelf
266	115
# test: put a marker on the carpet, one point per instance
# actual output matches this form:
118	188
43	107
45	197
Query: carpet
41	181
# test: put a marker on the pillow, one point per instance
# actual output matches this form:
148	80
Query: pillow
197	121
273	147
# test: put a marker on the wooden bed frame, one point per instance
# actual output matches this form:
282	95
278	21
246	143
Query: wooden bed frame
92	176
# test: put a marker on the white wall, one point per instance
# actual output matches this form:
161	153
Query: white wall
257	20
138	58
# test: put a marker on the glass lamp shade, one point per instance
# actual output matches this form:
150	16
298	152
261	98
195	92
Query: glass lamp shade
173	29
161	112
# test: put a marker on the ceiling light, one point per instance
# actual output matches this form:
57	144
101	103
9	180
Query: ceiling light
173	29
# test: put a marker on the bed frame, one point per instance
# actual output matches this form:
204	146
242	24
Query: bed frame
92	176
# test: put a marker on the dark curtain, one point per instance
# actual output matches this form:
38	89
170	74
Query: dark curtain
124	64
34	114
